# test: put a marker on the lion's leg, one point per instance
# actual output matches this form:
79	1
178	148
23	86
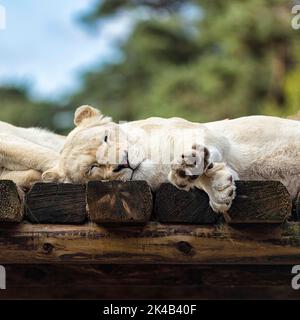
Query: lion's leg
17	154
197	169
23	179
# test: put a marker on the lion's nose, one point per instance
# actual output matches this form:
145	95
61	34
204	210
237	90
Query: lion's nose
121	167
124	164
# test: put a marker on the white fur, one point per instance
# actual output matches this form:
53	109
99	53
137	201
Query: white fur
26	153
248	148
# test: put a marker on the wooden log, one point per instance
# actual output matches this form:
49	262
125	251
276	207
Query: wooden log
56	203
119	202
260	202
291	233
11	204
177	206
296	208
150	244
256	202
158	281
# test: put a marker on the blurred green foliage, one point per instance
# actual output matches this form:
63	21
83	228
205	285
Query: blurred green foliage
200	59
18	108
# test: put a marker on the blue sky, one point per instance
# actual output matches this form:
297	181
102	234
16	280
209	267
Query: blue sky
44	45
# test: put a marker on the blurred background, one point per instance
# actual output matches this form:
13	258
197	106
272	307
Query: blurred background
200	59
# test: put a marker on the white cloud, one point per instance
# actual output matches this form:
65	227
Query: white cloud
44	45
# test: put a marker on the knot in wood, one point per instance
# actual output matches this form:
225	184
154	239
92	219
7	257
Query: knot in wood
48	248
185	248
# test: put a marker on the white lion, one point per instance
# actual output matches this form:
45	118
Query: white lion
208	156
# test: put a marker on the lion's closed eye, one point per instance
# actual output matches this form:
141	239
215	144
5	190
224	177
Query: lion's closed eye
92	168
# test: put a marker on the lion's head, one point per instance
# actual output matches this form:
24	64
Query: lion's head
97	149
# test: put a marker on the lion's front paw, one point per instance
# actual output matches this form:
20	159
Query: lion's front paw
222	191
190	166
29	179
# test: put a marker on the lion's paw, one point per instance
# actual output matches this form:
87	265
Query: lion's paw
222	191
190	166
29	179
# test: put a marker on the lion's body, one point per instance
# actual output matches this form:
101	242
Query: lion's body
255	147
262	148
26	152
248	148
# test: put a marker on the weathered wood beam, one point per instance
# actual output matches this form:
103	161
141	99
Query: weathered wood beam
153	243
260	202
256	202
56	203
119	202
11	204
131	202
159	281
177	206
296	208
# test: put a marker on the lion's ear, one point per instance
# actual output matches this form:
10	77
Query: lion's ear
85	112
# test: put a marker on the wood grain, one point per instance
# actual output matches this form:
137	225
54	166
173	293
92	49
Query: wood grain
119	202
177	206
11	205
56	203
296	208
255	202
153	243
260	202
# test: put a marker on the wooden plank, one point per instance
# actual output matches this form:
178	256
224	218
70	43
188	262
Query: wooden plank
296	208
11	205
256	202
177	206
153	243
148	282
119	202
134	292
56	203
291	233
260	202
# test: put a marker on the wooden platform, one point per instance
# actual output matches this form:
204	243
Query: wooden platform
155	261
153	243
145	245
